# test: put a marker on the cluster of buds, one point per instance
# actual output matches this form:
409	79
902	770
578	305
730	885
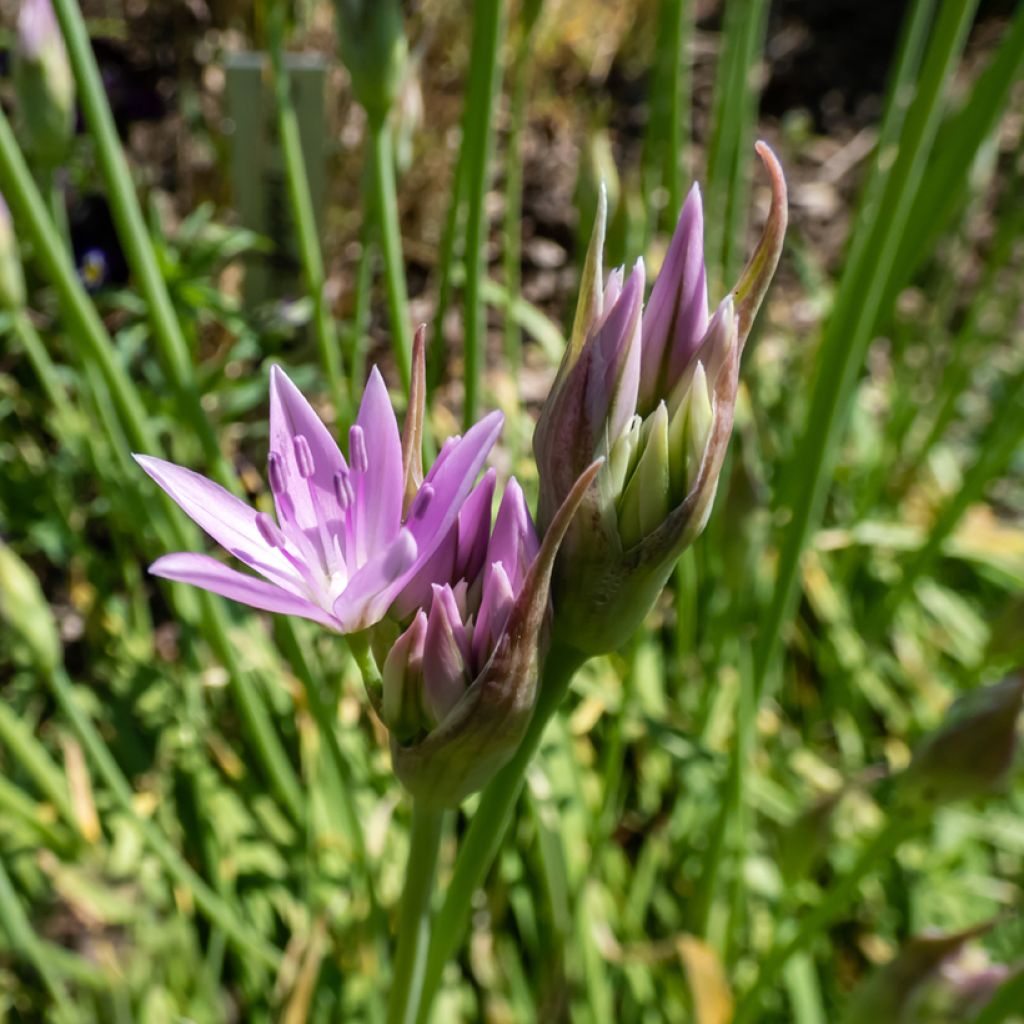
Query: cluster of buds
651	391
373	47
44	84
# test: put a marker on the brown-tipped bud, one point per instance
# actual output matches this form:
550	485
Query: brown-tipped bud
972	753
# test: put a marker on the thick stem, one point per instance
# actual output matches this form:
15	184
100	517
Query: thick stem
386	207
483	838
414	918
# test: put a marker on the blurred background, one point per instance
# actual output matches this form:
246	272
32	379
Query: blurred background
877	462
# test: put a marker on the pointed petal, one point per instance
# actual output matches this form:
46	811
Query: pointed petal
229	521
677	312
452	478
209	574
514	541
614	374
383	493
497	601
475	528
292	416
590	304
445	672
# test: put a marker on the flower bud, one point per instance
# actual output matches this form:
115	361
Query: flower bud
43	82
484	643
371	40
653	393
972	753
12	277
402	679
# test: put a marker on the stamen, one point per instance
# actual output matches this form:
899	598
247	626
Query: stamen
275	473
357	450
270	531
303	456
343	490
422	502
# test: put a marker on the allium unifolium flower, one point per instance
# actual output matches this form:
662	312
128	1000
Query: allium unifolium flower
43	82
12	277
651	391
972	753
350	534
373	47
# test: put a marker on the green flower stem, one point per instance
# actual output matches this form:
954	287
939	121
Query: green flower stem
488	22
385	196
305	221
15	922
414	917
95	346
483	838
245	938
898	828
131	229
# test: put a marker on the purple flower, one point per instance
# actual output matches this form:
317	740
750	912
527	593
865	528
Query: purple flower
348	534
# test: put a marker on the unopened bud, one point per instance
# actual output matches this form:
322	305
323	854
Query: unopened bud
373	47
402	679
645	502
43	82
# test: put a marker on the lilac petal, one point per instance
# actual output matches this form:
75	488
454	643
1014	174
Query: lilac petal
209	574
445	597
615	353
291	416
677	312
459	556
474	529
452	478
497	601
366	598
445	673
383	487
511	528
229	521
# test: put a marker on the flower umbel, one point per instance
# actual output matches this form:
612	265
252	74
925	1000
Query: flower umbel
459	684
345	541
653	392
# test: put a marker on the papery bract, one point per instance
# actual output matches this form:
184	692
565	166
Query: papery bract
344	544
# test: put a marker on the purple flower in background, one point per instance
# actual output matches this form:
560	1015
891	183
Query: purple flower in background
349	535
